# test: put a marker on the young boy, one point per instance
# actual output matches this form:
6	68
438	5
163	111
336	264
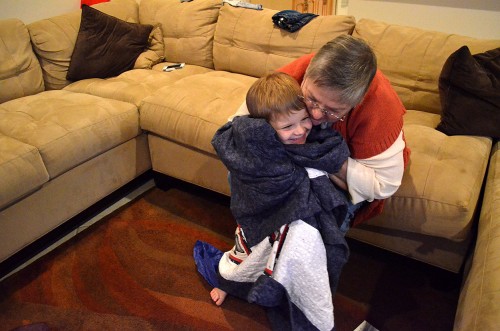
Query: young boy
280	189
276	98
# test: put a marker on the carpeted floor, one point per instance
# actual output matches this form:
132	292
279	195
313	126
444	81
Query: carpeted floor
134	271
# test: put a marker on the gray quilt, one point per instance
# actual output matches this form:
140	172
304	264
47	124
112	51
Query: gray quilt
271	187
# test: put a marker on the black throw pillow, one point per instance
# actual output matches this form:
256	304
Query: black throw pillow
469	88
106	46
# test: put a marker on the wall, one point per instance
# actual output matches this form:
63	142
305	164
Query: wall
474	18
32	10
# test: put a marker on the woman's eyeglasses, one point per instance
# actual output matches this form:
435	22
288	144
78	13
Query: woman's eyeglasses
315	105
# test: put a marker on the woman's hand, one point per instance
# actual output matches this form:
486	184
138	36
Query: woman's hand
340	178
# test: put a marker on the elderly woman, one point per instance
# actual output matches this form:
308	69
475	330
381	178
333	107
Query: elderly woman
344	91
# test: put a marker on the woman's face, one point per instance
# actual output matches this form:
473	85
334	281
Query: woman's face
323	104
293	128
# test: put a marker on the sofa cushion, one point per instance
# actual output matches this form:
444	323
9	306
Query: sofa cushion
68	128
188	28
412	58
441	186
20	72
154	53
246	41
191	110
134	85
54	39
469	87
106	46
21	169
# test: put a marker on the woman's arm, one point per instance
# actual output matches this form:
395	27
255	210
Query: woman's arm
377	177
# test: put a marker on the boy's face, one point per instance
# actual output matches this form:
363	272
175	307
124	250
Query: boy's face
293	128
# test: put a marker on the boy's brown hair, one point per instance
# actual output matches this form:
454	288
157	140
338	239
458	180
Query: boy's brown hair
274	94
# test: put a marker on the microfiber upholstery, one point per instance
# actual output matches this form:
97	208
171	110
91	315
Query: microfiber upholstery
21	168
412	58
154	53
469	87
188	28
134	85
247	41
435	197
106	46
172	112
68	128
477	307
53	39
20	71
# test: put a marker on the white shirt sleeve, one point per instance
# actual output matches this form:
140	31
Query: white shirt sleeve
315	173
242	111
377	177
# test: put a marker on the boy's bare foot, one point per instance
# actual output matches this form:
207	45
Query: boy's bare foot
218	296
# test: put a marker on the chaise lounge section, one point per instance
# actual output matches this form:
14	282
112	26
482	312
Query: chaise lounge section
60	151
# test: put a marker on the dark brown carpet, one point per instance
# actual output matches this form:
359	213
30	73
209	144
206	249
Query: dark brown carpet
134	271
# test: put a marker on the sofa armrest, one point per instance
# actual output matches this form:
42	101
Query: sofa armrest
478	307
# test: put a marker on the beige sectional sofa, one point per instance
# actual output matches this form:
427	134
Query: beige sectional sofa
65	145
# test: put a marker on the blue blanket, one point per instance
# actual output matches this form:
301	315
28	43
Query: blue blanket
275	185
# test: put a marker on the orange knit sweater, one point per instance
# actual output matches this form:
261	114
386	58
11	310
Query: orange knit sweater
370	128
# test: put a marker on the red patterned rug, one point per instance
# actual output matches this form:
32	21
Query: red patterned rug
134	270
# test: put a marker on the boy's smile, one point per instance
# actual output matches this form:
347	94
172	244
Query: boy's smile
293	128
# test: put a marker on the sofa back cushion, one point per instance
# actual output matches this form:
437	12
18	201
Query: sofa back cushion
54	39
247	41
188	28
412	58
20	72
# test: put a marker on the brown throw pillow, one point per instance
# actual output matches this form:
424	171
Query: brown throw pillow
469	88
106	46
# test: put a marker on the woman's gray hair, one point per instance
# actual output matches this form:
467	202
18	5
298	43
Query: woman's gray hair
345	64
